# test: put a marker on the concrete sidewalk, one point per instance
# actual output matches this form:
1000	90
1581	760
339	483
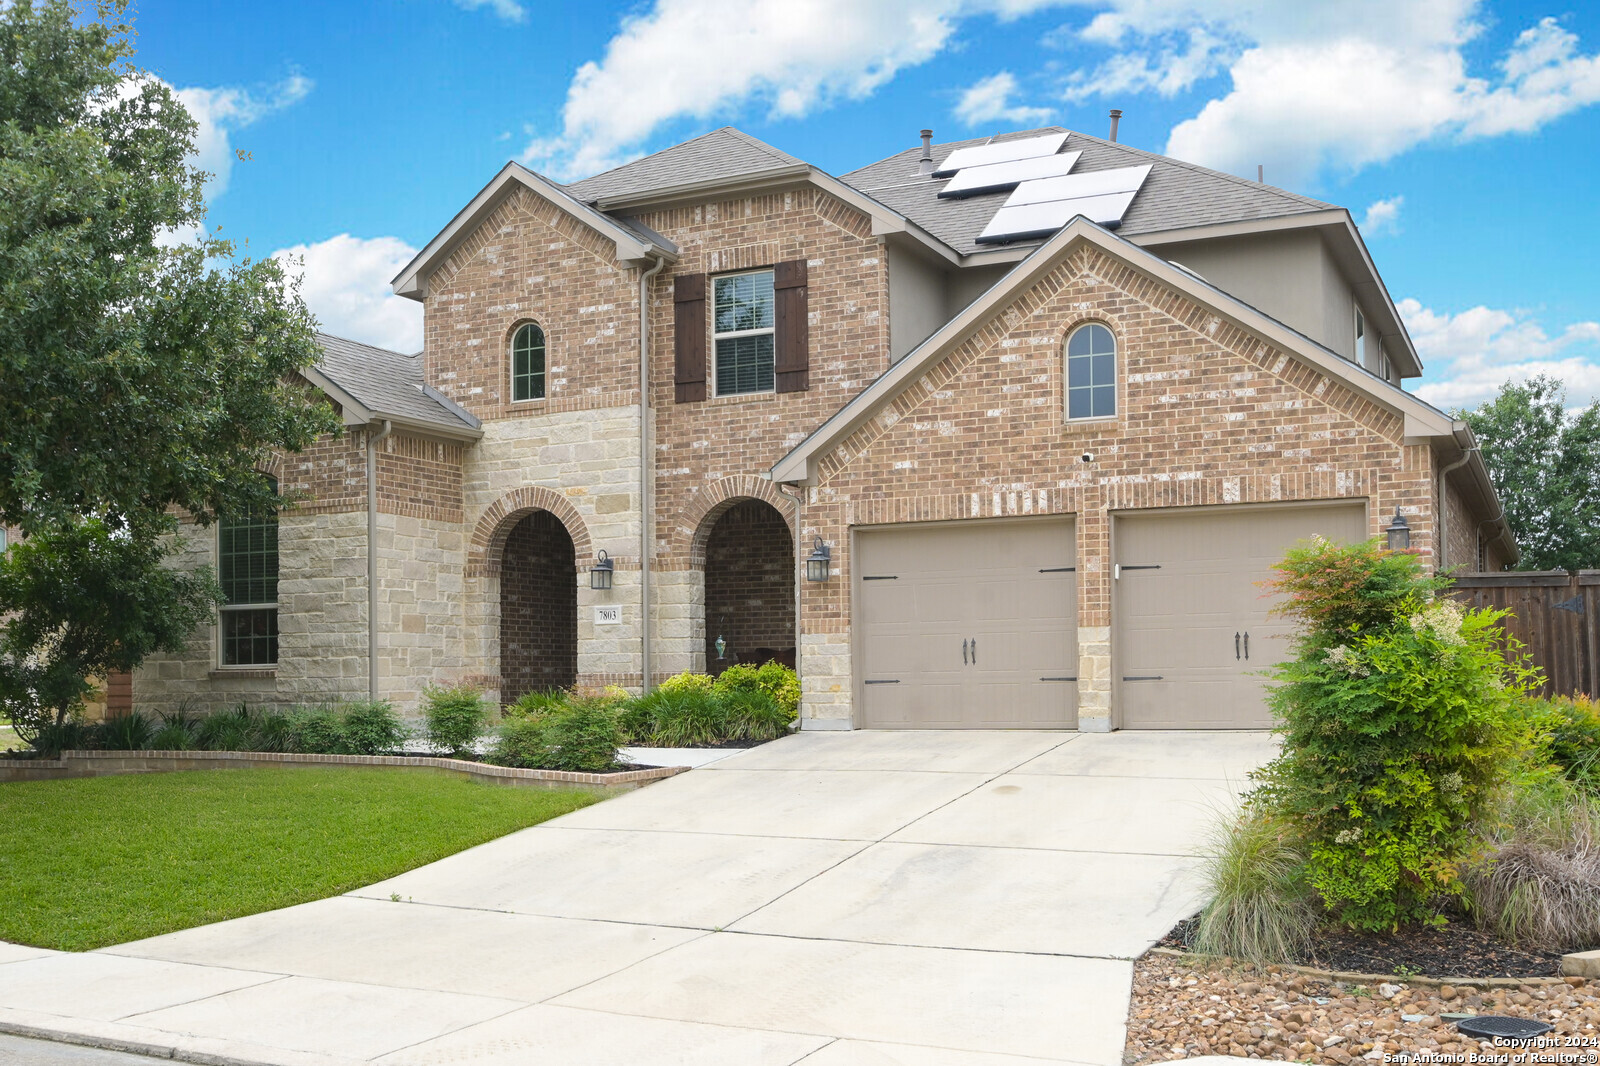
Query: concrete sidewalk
846	899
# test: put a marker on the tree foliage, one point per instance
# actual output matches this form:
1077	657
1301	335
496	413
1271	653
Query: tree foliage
1545	464
88	600
137	370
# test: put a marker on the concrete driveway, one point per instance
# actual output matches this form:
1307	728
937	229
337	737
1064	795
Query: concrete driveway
845	899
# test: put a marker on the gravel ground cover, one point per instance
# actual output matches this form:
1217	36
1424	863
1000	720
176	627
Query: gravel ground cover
1183	1008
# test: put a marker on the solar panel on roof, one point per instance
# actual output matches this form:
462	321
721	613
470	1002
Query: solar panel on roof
1041	207
1001	152
997	176
1074	186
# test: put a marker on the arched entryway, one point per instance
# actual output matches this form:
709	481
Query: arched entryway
538	607
749	574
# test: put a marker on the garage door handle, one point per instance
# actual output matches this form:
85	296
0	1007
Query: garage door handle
963	653
1058	679
869	681
1236	645
1247	645
1058	570
974	651
1150	677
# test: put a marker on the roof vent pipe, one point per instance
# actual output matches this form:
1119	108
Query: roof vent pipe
925	164
1116	116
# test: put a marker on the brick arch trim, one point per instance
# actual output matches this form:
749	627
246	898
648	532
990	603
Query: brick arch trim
717	497
489	537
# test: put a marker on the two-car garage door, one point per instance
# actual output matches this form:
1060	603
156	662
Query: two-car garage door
963	625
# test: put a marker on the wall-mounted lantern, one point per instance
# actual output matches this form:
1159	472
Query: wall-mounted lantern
1399	533
600	573
722	649
818	562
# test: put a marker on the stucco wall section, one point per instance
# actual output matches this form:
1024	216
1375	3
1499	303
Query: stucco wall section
1209	414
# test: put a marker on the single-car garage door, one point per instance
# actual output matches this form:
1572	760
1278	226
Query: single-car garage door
1192	627
968	625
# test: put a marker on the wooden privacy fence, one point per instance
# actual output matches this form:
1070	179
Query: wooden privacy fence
1555	613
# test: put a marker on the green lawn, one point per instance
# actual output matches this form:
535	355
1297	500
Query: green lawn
102	860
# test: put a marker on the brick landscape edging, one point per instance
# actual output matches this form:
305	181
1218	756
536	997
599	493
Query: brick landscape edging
102	763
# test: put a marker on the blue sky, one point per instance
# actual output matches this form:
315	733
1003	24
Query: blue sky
1462	135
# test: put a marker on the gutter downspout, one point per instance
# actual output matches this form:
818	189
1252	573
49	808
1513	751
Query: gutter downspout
646	470
799	585
372	555
1444	504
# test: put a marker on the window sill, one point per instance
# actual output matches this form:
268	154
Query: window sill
245	673
745	397
1103	420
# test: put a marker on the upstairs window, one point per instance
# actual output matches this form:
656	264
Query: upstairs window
527	363
742	331
1091	373
247	566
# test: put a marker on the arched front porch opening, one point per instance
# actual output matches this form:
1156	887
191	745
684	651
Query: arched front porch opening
749	586
538	607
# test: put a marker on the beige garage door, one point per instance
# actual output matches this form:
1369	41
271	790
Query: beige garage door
969	625
1192	627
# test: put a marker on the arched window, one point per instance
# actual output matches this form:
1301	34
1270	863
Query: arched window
527	362
247	569
1091	372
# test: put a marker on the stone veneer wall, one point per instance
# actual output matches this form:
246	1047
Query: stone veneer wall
1208	415
421	585
749	585
538	608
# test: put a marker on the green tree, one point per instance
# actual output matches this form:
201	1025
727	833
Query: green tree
1545	464
146	370
137	371
88	600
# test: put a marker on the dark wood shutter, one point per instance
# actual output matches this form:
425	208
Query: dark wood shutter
793	337
689	337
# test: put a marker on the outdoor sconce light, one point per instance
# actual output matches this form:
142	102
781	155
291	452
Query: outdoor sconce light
600	573
722	649
818	561
1399	533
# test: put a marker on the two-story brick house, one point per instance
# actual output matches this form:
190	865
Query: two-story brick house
1035	416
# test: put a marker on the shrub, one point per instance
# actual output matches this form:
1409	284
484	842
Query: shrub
1399	728
128	732
1537	887
686	718
579	734
688	682
456	717
177	732
1568	733
232	730
753	715
1260	908
371	728
315	731
773	679
530	704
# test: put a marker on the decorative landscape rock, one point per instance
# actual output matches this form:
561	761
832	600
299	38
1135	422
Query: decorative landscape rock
1181	1010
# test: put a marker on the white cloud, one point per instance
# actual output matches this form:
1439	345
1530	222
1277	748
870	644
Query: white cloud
990	101
219	112
509	10
699	58
1383	216
345	282
1331	85
1470	354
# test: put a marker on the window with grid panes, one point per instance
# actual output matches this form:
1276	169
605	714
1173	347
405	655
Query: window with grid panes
1091	373
527	363
247	569
742	330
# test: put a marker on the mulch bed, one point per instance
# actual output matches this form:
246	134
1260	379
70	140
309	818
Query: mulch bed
1457	950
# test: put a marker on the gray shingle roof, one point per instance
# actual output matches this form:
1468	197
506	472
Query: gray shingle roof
1176	195
722	153
388	383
